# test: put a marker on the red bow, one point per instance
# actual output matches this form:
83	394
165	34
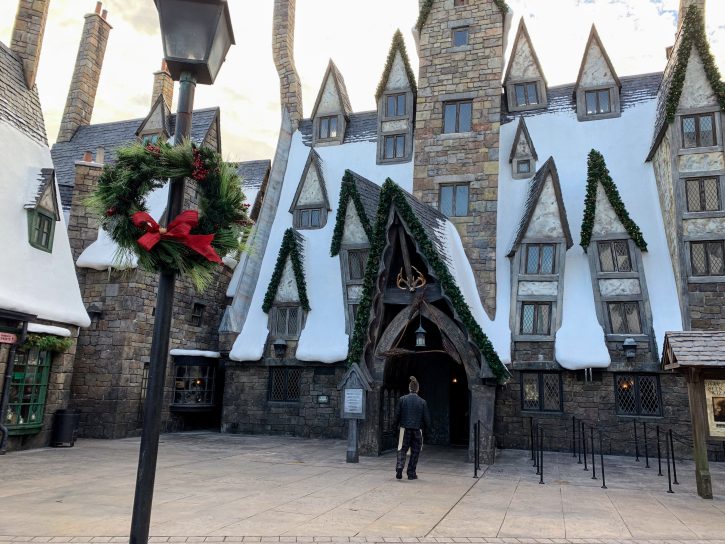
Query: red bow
179	229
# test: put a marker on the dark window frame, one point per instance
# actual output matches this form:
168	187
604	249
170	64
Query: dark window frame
396	103
541	391
701	193
194	385
324	127
274	315
622	304
460	30
598	110
540	246
398	148
457	121
708	264
526	85
454	209
698	135
615	263
637	377
519	162
290	375
308	211
197	314
362	254
536	304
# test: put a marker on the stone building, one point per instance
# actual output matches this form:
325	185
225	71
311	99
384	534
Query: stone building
41	309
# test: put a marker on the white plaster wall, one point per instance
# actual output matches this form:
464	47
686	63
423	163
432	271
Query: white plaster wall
701	162
330	100
549	288
390	126
523	65
545	222
397	79
596	71
705	226
354	292
287	291
155	120
696	91
354	233
522	147
619	286
311	192
605	218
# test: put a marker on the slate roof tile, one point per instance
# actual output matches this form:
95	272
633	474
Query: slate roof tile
695	348
19	106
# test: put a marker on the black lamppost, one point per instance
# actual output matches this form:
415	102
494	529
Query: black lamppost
197	35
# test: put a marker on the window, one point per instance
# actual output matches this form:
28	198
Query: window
394	147
526	94
194	385
457	116
698	130
707	258
453	200
328	127
540	259
310	218
703	195
536	318
523	167
284	322
197	314
28	389
541	391
42	229
614	256
459	3
395	105
150	139
460	36
624	317
637	394
597	102
356	260
284	384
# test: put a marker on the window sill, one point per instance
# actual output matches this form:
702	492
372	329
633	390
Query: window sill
458	135
699	150
527	107
284	403
633	416
395	161
713	214
460	48
706	279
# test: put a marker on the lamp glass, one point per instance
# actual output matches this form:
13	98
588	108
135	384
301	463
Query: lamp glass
420	337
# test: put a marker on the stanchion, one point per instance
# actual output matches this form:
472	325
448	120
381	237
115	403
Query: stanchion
659	452
594	464
584	446
476	444
601	460
674	468
669	477
646	449
636	442
579	462
573	436
537	452
531	436
541	452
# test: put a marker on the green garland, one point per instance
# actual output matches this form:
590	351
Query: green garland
428	5
597	173
348	192
502	6
397	45
124	186
392	195
48	342
291	247
693	33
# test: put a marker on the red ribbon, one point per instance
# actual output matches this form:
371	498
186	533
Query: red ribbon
179	229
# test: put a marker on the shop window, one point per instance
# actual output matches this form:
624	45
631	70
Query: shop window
698	130
540	259
285	322
328	128
598	102
541	391
535	318
197	314
614	256
28	390
703	195
395	105
42	229
707	258
460	36
453	200
527	94
284	384
194	385
457	116
638	394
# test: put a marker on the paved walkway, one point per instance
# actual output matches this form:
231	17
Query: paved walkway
233	488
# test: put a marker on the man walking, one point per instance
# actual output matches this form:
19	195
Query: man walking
412	414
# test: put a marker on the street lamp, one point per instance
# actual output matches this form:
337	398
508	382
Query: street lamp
197	35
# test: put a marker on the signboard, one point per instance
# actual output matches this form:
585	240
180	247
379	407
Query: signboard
354	401
8	338
715	401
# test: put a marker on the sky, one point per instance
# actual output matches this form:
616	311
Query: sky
356	34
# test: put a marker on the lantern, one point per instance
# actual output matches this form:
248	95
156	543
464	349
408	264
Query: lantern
629	346
280	348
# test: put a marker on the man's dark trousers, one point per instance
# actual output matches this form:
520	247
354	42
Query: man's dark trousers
413	439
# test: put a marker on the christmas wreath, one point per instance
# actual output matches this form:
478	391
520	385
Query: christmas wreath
193	242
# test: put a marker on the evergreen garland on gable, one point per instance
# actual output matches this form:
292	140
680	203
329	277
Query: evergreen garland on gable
597	173
397	45
291	247
693	33
392	195
348	192
428	5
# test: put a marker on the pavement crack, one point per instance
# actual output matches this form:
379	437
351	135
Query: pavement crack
454	505
508	507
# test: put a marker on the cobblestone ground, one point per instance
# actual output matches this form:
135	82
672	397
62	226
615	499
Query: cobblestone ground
233	488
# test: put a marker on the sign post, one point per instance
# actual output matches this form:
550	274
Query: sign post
354	385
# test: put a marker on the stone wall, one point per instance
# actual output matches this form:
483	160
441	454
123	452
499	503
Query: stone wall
283	45
707	306
469	72
27	38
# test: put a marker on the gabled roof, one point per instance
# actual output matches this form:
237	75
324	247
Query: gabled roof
523	34
427	5
361	127
360	191
595	39
535	189
291	248
694	348
254	176
165	111
339	81
45	184
522	130
397	46
692	33
19	106
313	161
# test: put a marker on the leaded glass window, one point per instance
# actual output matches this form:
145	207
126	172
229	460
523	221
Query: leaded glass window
328	127
637	394
535	318
698	130
707	258
28	390
703	194
624	317
284	384
614	256
540	259
285	321
541	391
357	259
194	385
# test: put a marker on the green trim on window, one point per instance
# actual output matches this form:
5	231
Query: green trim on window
28	392
40	235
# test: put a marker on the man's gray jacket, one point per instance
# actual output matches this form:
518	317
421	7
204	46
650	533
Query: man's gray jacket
412	412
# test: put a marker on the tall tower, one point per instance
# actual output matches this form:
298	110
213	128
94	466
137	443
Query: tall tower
460	48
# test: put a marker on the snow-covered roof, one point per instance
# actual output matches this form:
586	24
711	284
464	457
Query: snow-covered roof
19	106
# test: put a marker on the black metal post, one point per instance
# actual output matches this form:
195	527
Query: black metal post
479	447
669	476
536	440
5	399
646	448
584	445
531	436
541	452
594	464
636	443
601	460
674	468
659	452
579	462
143	497
475	450
573	436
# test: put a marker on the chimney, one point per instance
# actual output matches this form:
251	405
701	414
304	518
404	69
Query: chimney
87	72
283	42
27	38
684	4
163	85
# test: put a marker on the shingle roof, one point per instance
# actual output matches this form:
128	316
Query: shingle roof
19	106
35	190
362	127
694	348
369	195
111	136
253	173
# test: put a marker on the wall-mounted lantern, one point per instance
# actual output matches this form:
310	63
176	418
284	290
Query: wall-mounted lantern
280	348
629	346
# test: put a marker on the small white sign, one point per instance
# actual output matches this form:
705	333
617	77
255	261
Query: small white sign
354	401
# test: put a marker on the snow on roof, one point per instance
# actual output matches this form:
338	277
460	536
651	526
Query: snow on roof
33	281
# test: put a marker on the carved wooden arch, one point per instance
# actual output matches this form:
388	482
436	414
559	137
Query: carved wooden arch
462	353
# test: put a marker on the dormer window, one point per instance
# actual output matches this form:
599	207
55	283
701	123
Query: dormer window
524	80
310	204
395	105
150	139
523	154
394	147
460	36
597	86
526	94
698	130
310	218
328	128
523	167
42	229
598	102
332	109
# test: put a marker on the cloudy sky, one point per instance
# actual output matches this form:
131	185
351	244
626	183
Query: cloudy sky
354	33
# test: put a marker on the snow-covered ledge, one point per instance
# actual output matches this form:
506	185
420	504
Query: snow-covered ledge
194	353
48	329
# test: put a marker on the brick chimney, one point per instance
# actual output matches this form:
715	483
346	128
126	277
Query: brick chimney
163	85
283	43
27	37
87	72
684	4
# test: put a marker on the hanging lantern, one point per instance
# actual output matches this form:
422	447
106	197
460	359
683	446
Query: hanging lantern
420	336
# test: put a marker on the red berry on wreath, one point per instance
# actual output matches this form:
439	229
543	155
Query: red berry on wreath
110	212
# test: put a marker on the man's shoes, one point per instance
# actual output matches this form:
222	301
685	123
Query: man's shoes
398	474
412	476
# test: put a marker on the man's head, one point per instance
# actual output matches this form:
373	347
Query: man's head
413	387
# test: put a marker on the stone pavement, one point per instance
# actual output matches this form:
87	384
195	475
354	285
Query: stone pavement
235	488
